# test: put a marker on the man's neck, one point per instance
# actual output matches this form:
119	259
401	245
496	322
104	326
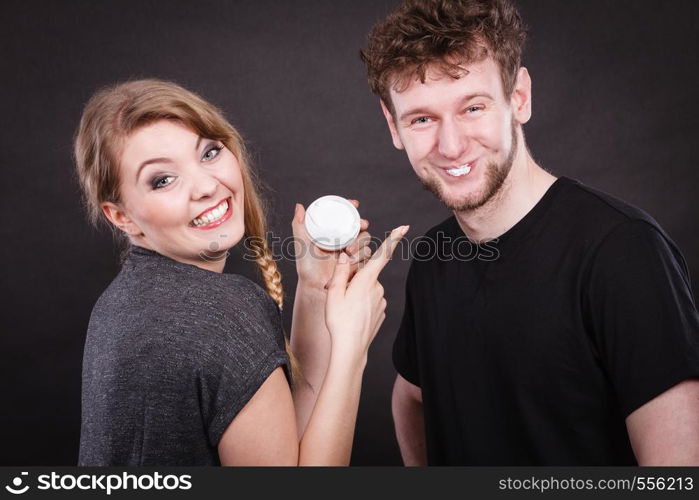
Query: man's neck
525	185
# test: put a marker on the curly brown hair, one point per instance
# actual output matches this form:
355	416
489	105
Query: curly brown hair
447	33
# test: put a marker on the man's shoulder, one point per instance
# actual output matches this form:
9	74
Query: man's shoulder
601	220
593	214
598	205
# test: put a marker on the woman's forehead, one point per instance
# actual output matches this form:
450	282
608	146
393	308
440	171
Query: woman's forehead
161	137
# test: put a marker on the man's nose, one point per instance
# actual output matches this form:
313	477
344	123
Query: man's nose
452	140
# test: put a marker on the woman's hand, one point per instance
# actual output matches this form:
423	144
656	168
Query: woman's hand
354	310
314	265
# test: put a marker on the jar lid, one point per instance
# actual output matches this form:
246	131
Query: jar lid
332	222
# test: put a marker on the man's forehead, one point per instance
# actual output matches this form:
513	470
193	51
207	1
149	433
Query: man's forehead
477	75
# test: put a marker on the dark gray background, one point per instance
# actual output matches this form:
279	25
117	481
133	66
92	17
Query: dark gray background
614	105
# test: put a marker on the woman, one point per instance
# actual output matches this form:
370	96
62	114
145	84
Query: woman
183	363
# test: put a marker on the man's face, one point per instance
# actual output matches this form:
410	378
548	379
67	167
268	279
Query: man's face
461	135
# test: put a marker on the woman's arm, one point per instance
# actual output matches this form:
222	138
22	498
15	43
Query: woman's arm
310	345
310	339
264	432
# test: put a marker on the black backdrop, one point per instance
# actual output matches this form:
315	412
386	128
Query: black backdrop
614	100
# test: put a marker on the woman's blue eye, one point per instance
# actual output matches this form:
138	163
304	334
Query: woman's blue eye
212	153
158	183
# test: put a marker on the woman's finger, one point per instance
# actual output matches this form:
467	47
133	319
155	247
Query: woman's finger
362	255
384	253
362	240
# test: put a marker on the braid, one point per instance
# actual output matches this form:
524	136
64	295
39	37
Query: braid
273	283
256	232
270	273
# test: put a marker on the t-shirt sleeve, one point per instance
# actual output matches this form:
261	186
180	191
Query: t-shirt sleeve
643	313
404	347
246	346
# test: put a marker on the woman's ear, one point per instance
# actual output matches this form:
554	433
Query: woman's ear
117	216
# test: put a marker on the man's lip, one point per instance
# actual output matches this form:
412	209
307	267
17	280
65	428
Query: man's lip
458	165
211	208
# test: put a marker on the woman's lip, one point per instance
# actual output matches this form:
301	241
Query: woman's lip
220	221
210	209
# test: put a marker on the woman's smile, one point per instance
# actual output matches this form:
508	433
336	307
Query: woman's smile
213	217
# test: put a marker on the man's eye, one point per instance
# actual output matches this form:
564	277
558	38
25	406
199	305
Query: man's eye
212	153
161	182
473	109
422	119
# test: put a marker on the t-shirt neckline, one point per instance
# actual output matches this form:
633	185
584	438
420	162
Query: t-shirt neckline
141	253
530	217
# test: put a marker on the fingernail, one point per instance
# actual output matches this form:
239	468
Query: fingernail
343	258
401	230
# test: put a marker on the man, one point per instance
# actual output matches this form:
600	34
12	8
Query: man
578	344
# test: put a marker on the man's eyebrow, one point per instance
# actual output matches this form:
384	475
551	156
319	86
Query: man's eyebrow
162	159
477	94
411	112
424	111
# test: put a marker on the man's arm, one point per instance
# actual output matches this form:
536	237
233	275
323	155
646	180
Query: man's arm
665	430
409	422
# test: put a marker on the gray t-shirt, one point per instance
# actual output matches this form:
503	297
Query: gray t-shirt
173	353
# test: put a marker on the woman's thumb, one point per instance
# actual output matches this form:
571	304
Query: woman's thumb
338	282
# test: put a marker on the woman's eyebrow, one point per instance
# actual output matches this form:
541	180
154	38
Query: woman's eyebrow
148	162
163	159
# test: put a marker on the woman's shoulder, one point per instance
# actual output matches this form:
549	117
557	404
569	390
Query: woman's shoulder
210	321
233	294
186	302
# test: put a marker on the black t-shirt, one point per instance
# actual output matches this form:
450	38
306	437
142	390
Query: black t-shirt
531	349
173	353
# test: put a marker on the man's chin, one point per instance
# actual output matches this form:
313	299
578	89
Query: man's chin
464	204
459	202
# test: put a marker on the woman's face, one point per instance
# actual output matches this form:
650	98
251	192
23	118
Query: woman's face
182	194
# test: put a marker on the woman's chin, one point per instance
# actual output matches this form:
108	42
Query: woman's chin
220	240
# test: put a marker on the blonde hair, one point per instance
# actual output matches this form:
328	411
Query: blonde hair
116	111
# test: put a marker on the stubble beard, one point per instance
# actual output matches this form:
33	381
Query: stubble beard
495	175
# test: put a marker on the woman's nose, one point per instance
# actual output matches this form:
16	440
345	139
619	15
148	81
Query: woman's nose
203	185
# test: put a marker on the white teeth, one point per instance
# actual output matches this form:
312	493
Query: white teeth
210	217
458	172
